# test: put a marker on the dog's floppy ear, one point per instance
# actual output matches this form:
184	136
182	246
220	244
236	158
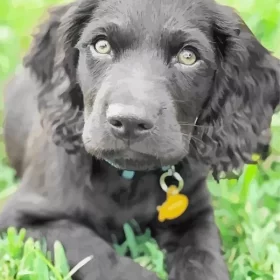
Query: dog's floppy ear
53	45
53	58
72	24
244	94
41	56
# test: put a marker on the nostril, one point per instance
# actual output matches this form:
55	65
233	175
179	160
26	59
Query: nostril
115	122
145	126
128	126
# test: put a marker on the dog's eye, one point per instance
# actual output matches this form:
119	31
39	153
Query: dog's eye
102	47
187	57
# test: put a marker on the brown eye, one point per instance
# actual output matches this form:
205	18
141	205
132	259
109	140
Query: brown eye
187	57
102	47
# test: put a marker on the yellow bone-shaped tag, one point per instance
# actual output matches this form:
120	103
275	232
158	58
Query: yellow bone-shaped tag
174	206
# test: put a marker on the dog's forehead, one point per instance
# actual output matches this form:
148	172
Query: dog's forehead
156	14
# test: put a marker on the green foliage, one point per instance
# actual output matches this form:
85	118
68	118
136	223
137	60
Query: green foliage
247	210
17	20
26	259
247	213
262	17
143	249
22	259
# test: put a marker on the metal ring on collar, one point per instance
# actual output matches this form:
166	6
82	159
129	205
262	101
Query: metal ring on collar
176	175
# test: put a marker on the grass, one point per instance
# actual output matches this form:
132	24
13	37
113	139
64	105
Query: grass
247	211
26	259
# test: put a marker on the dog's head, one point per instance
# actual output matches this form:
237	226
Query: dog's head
157	81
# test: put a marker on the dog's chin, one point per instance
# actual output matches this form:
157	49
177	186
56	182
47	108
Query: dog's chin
130	160
132	164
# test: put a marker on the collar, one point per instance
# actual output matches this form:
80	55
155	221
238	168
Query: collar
129	174
176	203
168	171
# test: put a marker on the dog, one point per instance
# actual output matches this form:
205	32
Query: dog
121	110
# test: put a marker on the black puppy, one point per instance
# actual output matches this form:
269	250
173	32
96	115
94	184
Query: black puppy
124	88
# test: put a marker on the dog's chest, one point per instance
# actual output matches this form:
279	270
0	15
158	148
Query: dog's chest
118	201
138	198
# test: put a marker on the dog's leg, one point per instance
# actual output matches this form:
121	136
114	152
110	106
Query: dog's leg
81	242
200	257
198	252
193	243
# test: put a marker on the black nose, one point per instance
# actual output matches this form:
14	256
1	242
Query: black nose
125	124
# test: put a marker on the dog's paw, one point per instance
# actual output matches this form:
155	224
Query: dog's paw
123	269
199	265
127	269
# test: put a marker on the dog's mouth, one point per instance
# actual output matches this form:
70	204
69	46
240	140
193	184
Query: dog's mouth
132	160
144	155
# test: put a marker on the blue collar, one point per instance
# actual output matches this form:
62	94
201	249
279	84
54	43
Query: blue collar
128	174
165	211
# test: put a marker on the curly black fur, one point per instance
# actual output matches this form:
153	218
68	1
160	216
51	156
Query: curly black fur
244	94
67	190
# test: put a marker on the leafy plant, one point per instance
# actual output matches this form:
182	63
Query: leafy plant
247	210
22	259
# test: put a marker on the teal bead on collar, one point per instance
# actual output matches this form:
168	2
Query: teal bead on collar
128	174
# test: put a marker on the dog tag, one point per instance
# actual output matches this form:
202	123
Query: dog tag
174	206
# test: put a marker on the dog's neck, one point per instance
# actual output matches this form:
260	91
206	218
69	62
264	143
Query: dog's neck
129	174
166	171
175	203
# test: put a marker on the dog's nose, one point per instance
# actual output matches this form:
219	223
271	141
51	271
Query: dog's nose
128	122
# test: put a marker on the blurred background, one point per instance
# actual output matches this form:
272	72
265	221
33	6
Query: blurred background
248	210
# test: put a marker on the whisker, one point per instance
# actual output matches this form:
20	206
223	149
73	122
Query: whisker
190	143
89	140
195	125
171	138
178	100
191	137
153	139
